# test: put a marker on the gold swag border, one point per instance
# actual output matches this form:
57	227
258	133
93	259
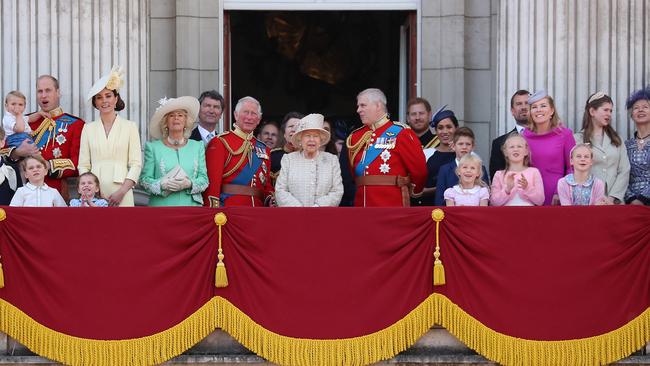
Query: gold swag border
386	343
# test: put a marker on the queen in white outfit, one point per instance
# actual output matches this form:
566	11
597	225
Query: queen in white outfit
309	177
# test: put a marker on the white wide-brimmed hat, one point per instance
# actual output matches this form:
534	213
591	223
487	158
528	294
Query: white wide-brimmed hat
114	80
311	122
189	104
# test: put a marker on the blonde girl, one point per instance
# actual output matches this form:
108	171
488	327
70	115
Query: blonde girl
581	188
471	190
518	184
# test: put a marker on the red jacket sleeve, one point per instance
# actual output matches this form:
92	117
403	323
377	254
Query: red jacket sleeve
414	160
215	157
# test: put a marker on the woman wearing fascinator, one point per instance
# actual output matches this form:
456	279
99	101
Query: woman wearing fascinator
174	171
110	146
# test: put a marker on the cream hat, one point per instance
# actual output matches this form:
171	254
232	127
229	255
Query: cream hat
114	80
189	104
311	122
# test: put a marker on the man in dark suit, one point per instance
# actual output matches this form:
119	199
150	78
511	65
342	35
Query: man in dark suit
212	105
519	110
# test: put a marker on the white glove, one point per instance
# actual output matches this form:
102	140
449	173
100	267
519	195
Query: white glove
184	183
171	185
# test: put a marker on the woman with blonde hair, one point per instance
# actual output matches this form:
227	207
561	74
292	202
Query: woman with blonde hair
549	142
174	170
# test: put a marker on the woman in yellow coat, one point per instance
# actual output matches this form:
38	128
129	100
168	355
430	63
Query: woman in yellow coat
110	146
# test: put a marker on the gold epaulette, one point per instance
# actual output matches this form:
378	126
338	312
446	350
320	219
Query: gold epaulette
277	149
401	124
348	141
5	151
435	141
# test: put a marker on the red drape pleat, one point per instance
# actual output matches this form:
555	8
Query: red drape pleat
113	273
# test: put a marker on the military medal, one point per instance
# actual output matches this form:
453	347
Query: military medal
261	153
385	156
56	152
262	177
60	139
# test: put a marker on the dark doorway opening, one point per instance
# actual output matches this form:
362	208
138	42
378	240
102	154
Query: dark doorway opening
315	61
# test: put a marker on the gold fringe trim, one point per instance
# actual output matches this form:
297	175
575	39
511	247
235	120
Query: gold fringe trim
507	350
436	309
362	350
149	350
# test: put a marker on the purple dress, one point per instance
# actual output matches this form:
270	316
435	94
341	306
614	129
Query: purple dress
550	153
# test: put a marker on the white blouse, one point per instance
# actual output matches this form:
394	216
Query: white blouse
309	182
33	196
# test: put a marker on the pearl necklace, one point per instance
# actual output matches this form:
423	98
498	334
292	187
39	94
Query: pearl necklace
175	142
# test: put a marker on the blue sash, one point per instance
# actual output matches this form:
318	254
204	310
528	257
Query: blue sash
243	178
61	123
372	153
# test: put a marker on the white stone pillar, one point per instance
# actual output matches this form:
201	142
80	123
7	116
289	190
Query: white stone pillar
76	41
184	48
573	48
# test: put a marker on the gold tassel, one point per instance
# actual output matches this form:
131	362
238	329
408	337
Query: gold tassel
438	269
220	275
438	273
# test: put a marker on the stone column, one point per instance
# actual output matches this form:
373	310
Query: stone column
184	48
573	48
458	63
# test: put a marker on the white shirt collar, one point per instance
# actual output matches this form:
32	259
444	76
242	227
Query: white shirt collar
32	187
204	133
520	129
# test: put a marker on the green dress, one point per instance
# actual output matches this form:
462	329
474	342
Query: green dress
160	159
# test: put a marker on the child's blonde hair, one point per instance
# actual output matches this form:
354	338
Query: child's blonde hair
472	159
17	94
585	145
511	136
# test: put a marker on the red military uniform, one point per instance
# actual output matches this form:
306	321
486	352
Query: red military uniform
385	159
238	170
59	139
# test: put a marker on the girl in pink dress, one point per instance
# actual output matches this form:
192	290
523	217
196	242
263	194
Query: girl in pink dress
519	184
581	188
470	190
